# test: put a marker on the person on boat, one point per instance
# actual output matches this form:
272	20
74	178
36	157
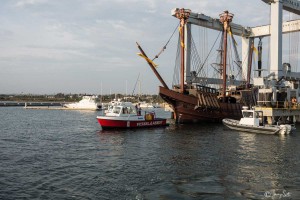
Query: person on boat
294	102
138	109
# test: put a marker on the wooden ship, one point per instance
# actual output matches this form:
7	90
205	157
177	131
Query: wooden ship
201	98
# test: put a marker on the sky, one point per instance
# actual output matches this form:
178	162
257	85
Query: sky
89	46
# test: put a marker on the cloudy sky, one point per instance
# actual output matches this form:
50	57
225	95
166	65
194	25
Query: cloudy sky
75	46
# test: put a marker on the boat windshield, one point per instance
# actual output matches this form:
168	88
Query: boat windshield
128	110
248	114
124	110
117	109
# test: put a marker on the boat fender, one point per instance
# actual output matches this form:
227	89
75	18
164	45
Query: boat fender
153	115
148	116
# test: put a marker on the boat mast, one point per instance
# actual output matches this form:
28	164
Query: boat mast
183	15
225	19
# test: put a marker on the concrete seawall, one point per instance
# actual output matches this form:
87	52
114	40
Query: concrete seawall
15	104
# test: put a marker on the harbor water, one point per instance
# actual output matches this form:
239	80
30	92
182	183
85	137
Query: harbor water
59	154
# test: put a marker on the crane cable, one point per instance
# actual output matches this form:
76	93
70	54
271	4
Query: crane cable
200	68
164	47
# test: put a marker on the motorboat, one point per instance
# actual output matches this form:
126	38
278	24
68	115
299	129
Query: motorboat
87	102
145	105
252	121
127	115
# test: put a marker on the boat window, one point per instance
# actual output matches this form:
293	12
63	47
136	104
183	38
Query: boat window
248	114
117	110
131	110
124	110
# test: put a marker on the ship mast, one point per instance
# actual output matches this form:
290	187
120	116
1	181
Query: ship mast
225	19
183	15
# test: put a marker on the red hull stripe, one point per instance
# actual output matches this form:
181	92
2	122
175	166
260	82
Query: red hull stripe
108	123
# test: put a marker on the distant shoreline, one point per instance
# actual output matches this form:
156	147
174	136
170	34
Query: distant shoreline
15	103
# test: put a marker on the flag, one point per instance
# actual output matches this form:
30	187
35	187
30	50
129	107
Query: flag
235	43
147	59
255	50
180	33
230	33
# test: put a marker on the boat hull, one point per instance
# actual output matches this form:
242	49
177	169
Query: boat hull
234	124
108	123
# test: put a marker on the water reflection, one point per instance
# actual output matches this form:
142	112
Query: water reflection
262	161
212	163
66	155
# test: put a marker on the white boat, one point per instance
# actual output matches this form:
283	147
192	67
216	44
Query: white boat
127	115
86	103
144	105
252	121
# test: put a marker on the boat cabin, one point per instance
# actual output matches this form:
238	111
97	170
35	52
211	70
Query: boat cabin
252	117
122	109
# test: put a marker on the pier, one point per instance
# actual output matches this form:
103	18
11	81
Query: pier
15	104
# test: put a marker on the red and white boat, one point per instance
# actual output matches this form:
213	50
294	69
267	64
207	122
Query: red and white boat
126	115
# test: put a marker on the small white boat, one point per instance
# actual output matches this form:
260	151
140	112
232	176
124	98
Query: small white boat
144	105
252	121
87	103
127	115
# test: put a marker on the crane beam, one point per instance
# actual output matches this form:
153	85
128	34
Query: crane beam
214	23
275	30
216	81
287	27
200	19
292	6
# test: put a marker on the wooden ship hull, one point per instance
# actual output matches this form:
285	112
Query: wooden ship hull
202	107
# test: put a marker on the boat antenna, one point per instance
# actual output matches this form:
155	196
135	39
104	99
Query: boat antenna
164	47
135	84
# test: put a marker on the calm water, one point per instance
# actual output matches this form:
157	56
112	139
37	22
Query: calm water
54	154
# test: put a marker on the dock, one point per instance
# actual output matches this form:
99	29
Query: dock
56	108
41	105
15	104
